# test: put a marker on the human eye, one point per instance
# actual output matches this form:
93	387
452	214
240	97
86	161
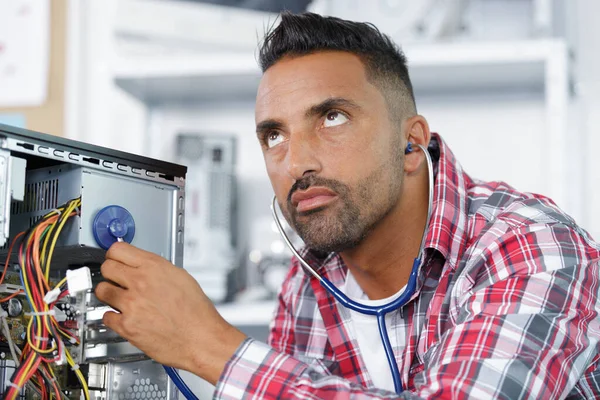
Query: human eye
272	139
334	118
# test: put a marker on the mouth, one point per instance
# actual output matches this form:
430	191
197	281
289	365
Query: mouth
312	199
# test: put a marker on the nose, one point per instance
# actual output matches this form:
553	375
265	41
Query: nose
301	156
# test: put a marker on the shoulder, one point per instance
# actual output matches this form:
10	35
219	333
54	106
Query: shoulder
512	233
494	206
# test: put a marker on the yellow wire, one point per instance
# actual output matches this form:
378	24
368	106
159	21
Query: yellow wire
65	333
34	347
20	383
46	241
69	209
37	317
49	234
72	205
50	214
59	284
45	262
79	375
51	372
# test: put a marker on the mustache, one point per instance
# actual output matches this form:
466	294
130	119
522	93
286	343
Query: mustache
313	180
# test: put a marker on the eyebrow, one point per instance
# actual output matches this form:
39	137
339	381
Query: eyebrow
328	104
268	125
315	110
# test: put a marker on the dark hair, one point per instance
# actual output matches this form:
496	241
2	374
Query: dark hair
307	33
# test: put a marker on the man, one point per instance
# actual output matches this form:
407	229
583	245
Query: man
506	304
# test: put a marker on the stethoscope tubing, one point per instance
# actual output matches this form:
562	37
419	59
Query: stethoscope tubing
378	311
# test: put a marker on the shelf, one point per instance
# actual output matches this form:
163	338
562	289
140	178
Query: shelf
434	68
188	78
190	24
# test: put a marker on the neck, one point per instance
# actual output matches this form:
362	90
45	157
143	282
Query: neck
381	264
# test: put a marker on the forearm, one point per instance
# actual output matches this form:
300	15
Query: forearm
209	365
258	370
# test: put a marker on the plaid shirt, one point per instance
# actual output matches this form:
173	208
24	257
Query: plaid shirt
506	307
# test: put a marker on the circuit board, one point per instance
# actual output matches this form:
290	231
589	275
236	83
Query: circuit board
17	320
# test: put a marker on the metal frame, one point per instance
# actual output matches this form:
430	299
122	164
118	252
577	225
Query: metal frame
107	160
48	146
21	142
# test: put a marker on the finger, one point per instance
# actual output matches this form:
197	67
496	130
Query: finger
118	273
112	295
113	321
128	254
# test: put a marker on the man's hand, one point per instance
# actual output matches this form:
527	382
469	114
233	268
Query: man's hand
165	313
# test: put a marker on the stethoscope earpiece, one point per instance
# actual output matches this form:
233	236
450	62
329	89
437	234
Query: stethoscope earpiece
409	148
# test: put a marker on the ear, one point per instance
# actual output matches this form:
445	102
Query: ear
416	131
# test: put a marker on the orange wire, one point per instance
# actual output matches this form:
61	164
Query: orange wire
42	282
36	250
40	380
10	248
36	247
7	298
56	390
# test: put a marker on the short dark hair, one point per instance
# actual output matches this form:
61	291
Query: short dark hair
307	33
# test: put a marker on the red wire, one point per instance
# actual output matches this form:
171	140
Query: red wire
56	390
13	392
10	248
33	283
42	386
38	286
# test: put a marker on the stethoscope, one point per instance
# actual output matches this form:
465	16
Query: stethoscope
382	310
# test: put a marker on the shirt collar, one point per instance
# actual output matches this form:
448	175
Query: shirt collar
448	224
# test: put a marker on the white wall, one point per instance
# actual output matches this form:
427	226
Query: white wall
495	137
97	110
586	40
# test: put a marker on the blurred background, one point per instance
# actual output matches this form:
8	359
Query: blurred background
512	86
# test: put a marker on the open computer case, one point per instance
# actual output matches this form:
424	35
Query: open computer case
73	200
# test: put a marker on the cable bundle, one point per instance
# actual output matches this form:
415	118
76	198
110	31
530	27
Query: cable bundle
45	337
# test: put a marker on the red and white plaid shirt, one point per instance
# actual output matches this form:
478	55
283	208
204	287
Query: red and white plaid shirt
506	307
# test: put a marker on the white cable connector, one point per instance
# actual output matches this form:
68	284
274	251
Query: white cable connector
60	315
79	280
61	357
51	296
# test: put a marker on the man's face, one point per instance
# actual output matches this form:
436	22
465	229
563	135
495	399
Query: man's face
332	153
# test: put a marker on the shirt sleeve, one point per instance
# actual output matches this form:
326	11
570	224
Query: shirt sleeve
281	330
257	371
526	318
